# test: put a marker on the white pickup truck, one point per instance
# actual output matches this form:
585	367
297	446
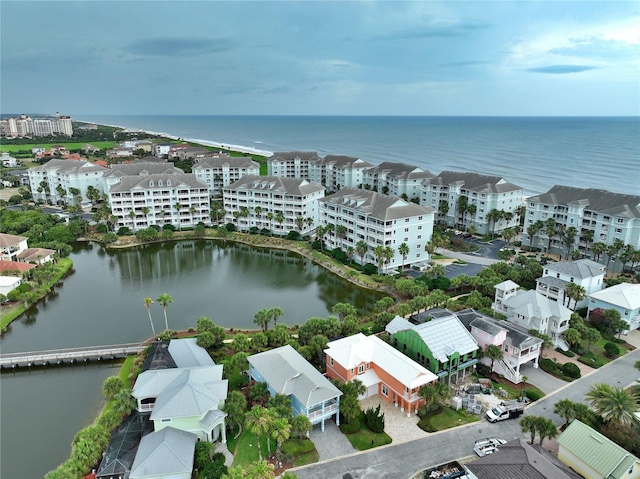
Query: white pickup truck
486	446
506	410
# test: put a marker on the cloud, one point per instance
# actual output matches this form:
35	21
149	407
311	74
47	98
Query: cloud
562	69
178	46
437	27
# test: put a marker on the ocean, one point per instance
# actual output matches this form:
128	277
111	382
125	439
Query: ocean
533	152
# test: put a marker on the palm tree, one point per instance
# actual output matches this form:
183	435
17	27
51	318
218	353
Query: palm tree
147	303
546	429
613	403
178	207
576	292
443	208
378	252
279	217
567	409
145	211
262	318
530	424
597	249
299	223
361	248
257	420
280	432
192	211
533	230
550	231
569	236
592	336
165	300
403	249
258	211
270	217
495	353
471	209
275	313
434	393
341	231
309	221
462	204
587	237
388	255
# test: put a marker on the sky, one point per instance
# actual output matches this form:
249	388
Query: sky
495	58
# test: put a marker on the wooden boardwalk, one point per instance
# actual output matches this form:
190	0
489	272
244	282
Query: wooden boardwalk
71	355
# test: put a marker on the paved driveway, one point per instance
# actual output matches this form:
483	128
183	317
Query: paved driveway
330	443
399	426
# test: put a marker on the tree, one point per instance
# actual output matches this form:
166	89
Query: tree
300	426
597	249
613	404
235	406
279	217
403	249
572	336
258	422
388	255
591	335
343	310
378	252
533	230
112	386
546	429
165	300
433	394
203	452
341	231
299	223
574	291
275	313
147	303
280	432
259	341
262	318
550	231
240	343
567	409
361	248
495	353
530	424
569	236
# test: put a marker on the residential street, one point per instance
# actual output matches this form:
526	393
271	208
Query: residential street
402	460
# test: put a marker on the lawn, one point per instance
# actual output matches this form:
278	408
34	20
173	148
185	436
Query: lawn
245	448
365	438
446	418
69	146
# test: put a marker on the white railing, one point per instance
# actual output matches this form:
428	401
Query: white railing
321	412
510	372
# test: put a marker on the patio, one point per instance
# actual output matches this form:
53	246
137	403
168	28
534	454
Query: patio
396	423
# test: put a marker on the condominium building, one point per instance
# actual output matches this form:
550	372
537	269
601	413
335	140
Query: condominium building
139	168
557	276
221	171
54	181
597	215
378	220
270	202
396	179
465	199
335	171
291	164
158	199
26	126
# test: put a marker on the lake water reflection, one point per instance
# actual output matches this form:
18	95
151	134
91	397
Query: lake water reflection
100	302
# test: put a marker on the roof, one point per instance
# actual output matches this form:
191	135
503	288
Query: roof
507	285
377	205
187	354
35	254
15	266
354	350
289	186
343	161
288	373
142	168
292	155
532	304
516	460
9	280
474	182
168	452
623	295
176	180
582	268
443	336
69	166
158	357
231	161
602	201
595	450
399	170
7	240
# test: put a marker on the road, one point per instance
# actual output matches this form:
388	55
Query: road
403	460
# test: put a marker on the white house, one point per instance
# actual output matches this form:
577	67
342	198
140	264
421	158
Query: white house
583	272
338	171
53	181
221	171
378	220
8	161
291	164
161	149
165	454
11	246
624	298
8	284
464	199
598	216
396	179
257	201
531	310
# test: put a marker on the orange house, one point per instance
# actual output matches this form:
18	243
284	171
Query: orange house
382	369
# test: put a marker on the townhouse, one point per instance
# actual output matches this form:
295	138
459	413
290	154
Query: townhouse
396	179
519	347
338	171
378	220
597	215
623	297
291	164
221	171
54	181
381	368
556	276
159	198
437	340
11	246
466	199
286	372
531	310
278	204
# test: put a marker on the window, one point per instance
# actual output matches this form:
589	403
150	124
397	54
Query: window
331	361
361	369
385	390
351	371
368	365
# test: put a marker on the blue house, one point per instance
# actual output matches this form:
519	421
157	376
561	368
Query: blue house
286	372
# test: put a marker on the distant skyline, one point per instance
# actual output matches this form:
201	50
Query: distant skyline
467	58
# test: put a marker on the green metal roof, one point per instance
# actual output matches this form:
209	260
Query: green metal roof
595	450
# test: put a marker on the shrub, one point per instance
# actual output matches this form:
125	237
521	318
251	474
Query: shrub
568	354
253	230
611	350
369	269
169	227
533	395
350	428
101	228
110	237
571	370
265	232
124	231
297	447
230	227
374	419
293	235
155	227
